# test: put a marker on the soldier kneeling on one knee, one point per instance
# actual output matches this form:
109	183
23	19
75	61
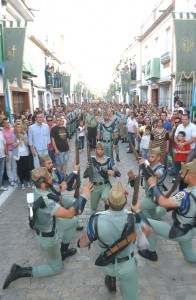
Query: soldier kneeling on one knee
47	224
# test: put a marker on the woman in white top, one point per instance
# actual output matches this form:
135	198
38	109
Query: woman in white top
21	154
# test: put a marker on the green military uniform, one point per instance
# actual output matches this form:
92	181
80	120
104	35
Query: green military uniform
64	231
91	125
107	228
72	125
110	227
52	234
148	206
124	122
67	202
107	136
117	121
68	126
183	228
101	186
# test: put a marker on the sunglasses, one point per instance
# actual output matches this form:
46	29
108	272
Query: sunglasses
49	120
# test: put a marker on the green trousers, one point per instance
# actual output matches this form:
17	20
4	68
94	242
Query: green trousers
128	277
108	149
185	241
68	127
117	149
99	192
66	229
151	209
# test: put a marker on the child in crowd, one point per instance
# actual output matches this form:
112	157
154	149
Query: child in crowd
145	141
81	130
180	154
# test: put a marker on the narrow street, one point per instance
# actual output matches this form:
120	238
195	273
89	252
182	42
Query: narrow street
171	278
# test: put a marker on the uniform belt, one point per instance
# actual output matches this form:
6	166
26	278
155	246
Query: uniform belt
45	234
98	183
107	141
122	259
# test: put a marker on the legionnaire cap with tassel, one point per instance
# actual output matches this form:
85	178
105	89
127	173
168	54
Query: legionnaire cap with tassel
189	166
40	175
154	151
100	145
117	195
45	157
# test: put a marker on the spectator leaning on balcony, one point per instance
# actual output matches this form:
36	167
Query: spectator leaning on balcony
39	138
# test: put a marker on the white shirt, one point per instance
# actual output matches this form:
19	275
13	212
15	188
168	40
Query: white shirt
132	124
81	131
145	141
190	132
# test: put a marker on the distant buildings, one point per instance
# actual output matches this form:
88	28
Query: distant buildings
155	58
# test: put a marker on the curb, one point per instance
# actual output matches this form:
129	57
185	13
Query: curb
6	194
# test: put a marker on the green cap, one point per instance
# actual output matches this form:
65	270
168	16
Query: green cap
45	157
189	166
40	175
155	151
100	145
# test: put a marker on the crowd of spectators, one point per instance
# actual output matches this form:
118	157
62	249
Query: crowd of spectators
28	135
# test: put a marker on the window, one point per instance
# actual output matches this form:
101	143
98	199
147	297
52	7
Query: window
168	39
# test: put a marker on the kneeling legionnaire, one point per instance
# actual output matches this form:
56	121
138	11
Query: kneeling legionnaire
102	167
148	206
184	215
47	225
116	231
61	183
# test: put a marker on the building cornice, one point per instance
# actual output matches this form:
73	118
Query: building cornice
164	15
41	46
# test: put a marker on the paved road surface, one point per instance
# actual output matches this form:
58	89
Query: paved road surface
171	278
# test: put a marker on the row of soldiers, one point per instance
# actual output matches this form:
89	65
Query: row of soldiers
116	229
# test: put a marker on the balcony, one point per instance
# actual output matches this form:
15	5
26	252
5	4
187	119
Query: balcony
152	71
165	58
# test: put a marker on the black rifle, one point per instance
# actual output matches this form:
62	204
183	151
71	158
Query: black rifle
77	158
90	169
147	171
41	161
136	190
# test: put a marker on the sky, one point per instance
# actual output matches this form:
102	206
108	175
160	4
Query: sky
96	32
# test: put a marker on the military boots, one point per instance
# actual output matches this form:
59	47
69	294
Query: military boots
16	272
110	283
65	252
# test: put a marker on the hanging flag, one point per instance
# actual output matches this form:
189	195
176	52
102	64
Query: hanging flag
185	48
113	89
1	47
13	42
84	92
66	84
79	90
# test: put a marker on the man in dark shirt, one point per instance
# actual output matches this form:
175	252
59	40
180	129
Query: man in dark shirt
60	141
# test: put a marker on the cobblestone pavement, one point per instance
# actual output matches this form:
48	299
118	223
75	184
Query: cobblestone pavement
171	278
